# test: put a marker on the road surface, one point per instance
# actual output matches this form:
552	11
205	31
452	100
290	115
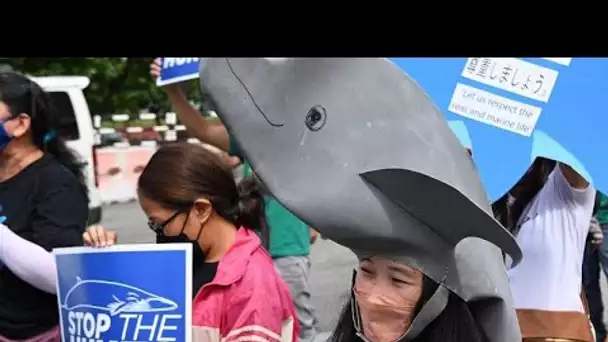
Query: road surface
331	272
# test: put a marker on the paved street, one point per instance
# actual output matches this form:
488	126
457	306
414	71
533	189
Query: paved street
331	264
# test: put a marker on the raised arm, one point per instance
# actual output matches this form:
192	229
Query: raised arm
208	131
573	178
572	187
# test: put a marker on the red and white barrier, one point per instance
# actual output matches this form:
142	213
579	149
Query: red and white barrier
118	169
120	165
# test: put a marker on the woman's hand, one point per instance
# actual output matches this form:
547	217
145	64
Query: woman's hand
170	89
98	236
596	235
231	161
314	235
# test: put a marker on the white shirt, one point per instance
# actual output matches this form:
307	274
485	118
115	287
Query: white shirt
552	236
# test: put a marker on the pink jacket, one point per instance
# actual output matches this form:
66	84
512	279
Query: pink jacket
247	300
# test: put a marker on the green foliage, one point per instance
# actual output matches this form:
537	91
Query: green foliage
118	85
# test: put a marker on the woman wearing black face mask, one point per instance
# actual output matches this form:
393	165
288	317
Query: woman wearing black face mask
189	195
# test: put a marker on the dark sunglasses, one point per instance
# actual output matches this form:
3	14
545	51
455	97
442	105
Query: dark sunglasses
159	227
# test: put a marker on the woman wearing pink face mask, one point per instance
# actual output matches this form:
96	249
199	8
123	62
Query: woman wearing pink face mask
398	189
388	294
386	297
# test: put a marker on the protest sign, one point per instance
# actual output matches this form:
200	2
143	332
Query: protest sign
517	109
177	69
125	293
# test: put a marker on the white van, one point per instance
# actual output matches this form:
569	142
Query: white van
76	128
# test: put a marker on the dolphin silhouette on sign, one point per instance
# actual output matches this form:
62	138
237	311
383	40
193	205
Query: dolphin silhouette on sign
356	149
115	298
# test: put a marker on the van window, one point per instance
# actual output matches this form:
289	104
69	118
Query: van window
66	124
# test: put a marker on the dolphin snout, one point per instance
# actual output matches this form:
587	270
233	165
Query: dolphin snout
162	303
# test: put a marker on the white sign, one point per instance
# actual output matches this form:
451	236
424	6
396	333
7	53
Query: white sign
512	75
560	60
494	110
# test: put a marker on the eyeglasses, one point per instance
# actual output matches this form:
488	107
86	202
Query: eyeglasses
8	118
159	227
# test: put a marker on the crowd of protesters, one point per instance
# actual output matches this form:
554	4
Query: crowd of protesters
250	251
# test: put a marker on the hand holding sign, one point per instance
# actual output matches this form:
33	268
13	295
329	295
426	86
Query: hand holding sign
172	70
98	236
155	71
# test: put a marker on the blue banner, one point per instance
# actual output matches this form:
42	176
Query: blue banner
512	110
177	69
125	293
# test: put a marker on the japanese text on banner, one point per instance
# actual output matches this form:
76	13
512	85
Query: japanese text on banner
512	75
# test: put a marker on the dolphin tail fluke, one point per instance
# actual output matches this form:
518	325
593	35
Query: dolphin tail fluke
443	208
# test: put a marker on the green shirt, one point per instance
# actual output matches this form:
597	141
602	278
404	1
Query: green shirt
289	236
602	210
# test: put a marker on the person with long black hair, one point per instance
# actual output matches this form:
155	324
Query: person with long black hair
189	195
409	290
290	239
43	205
549	211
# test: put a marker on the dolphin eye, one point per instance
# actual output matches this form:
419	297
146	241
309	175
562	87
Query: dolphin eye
315	118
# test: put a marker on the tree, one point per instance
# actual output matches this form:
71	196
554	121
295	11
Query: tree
118	85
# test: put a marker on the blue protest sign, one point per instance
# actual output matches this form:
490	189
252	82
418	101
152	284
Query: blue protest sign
177	69
516	109
125	293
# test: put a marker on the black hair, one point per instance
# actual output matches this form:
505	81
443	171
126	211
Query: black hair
22	95
454	324
524	192
180	173
251	192
596	203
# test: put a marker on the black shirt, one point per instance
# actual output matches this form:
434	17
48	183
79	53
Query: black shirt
47	205
202	272
202	275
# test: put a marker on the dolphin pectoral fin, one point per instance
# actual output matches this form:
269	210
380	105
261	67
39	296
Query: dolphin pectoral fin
115	308
443	208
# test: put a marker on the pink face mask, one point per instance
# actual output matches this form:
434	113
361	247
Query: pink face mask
384	318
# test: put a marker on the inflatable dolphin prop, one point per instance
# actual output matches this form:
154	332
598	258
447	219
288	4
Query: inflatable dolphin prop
357	150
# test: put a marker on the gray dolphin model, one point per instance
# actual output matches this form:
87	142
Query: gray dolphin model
356	149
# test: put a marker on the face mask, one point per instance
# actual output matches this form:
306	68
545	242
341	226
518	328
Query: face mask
383	319
198	256
5	138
